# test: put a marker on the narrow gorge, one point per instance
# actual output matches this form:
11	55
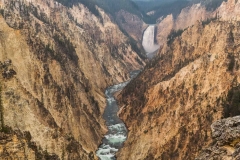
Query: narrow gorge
119	79
176	108
63	58
117	132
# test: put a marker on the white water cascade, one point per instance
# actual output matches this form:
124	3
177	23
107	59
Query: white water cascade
148	40
117	132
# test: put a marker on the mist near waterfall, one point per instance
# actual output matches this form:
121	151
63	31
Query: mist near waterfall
148	40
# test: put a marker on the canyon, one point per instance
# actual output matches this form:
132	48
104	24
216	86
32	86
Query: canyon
117	132
63	59
65	75
170	107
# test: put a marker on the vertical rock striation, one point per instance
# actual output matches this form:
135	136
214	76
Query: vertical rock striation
64	58
171	105
186	18
131	23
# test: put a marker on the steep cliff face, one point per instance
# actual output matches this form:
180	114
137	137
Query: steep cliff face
134	27
230	10
63	59
170	106
186	18
197	12
131	23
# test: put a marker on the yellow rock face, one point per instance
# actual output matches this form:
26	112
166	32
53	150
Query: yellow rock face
169	108
13	147
64	59
188	17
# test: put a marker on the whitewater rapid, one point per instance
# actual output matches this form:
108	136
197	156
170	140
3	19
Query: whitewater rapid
117	132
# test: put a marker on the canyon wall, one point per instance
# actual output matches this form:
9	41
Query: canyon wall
56	63
229	10
133	26
186	18
131	23
197	12
171	105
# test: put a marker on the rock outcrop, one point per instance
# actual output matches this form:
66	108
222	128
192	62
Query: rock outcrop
186	18
12	146
171	105
18	145
131	23
197	12
134	27
63	59
229	10
226	140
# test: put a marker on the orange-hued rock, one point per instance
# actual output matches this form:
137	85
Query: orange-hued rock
190	15
186	18
170	106
64	58
13	146
132	24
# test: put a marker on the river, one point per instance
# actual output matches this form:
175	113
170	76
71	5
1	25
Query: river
117	132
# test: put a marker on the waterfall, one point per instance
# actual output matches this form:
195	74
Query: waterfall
148	40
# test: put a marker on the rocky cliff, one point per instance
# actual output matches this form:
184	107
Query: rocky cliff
229	10
132	24
187	17
171	105
56	63
225	134
197	12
